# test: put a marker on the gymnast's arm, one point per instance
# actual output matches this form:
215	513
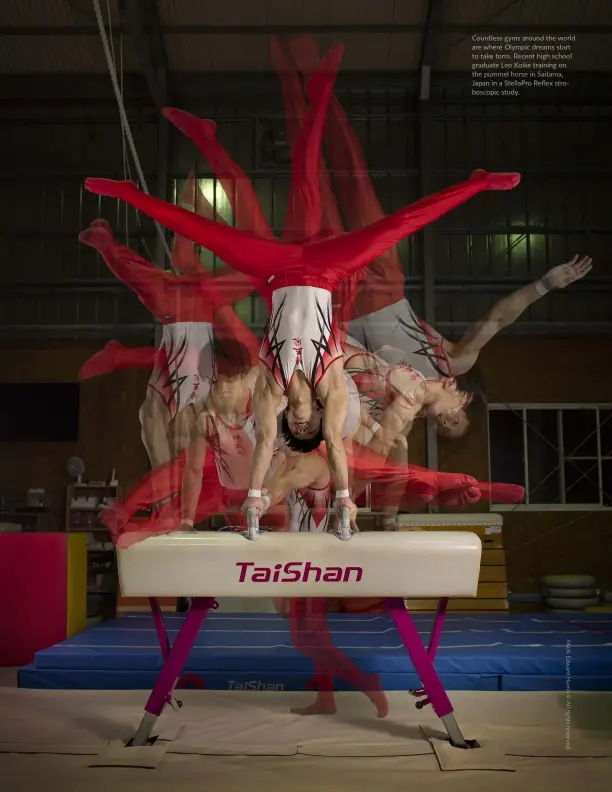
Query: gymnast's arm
334	415
397	420
407	399
266	398
192	475
465	352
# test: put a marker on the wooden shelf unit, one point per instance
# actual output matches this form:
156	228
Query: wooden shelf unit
102	582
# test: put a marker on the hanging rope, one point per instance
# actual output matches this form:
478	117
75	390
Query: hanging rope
122	115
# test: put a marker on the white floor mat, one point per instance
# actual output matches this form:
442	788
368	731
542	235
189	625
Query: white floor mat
91	727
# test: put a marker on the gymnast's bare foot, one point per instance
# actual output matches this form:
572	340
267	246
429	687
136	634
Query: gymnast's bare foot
191	126
98	235
501	493
380	701
111	188
323	79
454	481
325	704
115	519
497	181
461	497
102	362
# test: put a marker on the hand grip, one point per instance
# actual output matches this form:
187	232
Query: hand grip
345	524
252	523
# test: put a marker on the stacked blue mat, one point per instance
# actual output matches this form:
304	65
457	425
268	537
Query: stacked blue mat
254	652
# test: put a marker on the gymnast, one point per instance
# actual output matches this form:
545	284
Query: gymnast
392	328
379	315
191	309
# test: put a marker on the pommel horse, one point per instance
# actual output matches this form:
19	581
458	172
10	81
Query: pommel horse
393	565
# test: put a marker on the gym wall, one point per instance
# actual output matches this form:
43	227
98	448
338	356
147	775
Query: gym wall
109	430
59	304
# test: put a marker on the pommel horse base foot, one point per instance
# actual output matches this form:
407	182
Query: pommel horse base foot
455	735
143	735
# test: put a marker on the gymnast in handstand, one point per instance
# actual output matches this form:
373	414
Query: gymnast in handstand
187	306
379	314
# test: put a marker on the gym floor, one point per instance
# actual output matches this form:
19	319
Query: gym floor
349	751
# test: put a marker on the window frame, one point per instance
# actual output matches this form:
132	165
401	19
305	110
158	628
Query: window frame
557	408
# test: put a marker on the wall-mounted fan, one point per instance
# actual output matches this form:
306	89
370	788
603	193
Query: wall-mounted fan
273	147
76	467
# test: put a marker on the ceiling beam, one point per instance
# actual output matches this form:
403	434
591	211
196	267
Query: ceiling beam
430	29
425	170
140	19
289	30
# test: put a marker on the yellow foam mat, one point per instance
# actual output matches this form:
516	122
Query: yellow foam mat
76	584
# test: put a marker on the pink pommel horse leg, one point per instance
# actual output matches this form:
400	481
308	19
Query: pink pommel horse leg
423	661
175	658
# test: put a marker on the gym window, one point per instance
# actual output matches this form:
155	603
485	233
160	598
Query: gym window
561	454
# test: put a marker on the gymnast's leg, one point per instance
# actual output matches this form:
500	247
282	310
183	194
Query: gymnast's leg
234	181
116	357
311	636
343	149
148	491
305	210
242	250
295	113
141	276
333	258
341	256
304	190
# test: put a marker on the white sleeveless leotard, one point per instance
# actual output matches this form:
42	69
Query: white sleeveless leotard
301	335
309	509
184	367
397	335
233	448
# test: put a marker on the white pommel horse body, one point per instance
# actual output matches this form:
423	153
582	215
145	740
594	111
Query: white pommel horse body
392	565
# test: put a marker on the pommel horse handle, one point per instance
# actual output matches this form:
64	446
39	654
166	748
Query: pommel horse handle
345	525
252	523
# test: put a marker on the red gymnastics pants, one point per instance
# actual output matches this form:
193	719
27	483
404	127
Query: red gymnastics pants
382	283
316	262
311	636
170	298
423	486
320	263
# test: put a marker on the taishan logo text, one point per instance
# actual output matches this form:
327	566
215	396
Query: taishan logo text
297	572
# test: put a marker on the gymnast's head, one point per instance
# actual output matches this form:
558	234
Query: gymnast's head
301	424
232	366
458	405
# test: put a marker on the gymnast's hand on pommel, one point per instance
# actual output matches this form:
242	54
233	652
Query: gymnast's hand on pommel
340	504
259	503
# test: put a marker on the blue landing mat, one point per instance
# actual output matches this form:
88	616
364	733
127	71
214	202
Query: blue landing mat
254	652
